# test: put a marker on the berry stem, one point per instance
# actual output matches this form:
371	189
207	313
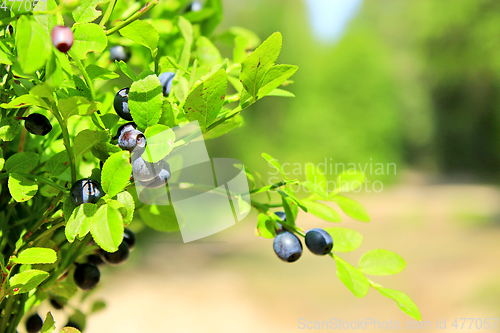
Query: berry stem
86	76
108	13
147	7
67	143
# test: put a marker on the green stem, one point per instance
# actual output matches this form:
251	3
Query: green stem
134	17
7	312
86	76
46	181
107	14
67	143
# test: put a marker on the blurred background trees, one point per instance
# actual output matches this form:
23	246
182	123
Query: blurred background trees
412	82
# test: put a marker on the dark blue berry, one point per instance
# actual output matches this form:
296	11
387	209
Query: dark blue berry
129	238
145	171
287	246
34	323
121	104
160	180
318	241
130	138
118	257
166	82
86	276
119	53
94	259
86	191
56	304
194	6
62	38
37	124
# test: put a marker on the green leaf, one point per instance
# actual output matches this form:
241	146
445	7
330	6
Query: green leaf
23	101
48	21
345	240
97	306
280	93
107	228
145	100
322	211
96	72
36	255
349	181
126	69
352	278
57	164
208	25
64	289
21	188
256	65
80	221
49	324
208	54
160	142
33	44
266	227
274	162
116	173
127	201
70	329
206	100
86	139
187	33
9	127
274	77
102	150
381	262
27	280
224	127
403	301
167	116
352	208
89	37
76	105
290	216
161	218
87	12
22	162
68	207
143	33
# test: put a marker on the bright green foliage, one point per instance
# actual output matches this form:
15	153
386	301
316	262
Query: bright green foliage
43	232
381	262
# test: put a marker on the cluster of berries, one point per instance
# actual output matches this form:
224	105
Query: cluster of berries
288	247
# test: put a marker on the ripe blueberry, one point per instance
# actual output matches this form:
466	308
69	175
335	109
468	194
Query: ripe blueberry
34	323
56	304
94	259
194	6
119	53
282	217
86	191
121	104
166	82
118	257
37	124
86	276
319	242
145	171
62	38
129	238
160	180
129	138
287	246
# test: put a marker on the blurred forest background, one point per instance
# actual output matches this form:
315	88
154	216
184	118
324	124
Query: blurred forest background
411	82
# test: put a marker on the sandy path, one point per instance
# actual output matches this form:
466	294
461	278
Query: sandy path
232	282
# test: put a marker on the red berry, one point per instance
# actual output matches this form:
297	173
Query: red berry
62	38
